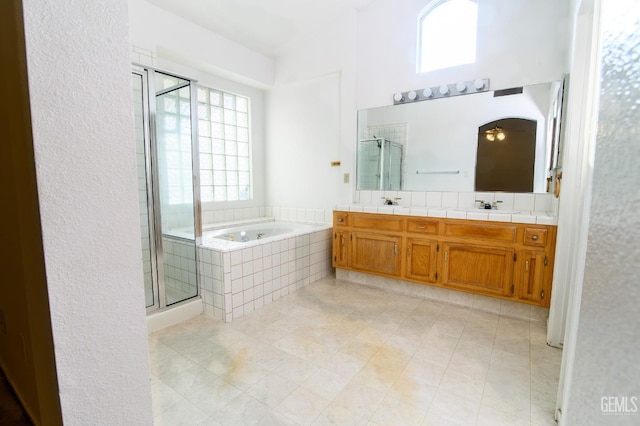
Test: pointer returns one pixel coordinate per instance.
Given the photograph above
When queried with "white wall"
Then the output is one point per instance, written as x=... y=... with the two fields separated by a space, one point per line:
x=174 y=38
x=310 y=115
x=606 y=346
x=520 y=42
x=83 y=132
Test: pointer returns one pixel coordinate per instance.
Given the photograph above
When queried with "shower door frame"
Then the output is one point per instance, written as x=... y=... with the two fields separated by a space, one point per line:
x=153 y=183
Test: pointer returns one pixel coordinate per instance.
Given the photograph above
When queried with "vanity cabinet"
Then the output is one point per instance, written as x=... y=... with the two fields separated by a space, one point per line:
x=479 y=269
x=341 y=248
x=373 y=252
x=504 y=260
x=422 y=260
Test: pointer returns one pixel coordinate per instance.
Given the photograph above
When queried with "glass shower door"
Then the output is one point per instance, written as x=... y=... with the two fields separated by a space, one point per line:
x=175 y=182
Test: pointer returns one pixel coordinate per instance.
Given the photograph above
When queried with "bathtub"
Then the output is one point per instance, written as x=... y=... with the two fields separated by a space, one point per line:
x=258 y=231
x=276 y=259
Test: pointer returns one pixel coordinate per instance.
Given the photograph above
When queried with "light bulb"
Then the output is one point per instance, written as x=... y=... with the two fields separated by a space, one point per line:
x=412 y=95
x=462 y=86
x=444 y=90
x=427 y=93
x=398 y=97
x=490 y=136
x=478 y=84
x=500 y=135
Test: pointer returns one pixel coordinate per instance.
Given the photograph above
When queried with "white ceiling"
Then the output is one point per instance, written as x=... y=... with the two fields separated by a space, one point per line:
x=261 y=25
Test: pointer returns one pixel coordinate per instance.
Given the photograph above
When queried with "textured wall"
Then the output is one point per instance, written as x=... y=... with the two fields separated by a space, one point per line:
x=607 y=350
x=81 y=101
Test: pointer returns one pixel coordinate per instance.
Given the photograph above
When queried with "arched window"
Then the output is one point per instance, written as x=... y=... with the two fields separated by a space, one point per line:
x=447 y=34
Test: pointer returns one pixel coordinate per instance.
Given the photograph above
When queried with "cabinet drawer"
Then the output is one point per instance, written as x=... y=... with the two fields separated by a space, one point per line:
x=340 y=219
x=535 y=237
x=377 y=222
x=485 y=232
x=422 y=226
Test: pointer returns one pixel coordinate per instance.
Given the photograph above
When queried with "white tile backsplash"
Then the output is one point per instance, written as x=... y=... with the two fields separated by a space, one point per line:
x=434 y=199
x=523 y=202
x=449 y=199
x=542 y=202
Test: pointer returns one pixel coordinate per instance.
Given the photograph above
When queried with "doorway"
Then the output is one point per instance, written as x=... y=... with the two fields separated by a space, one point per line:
x=506 y=155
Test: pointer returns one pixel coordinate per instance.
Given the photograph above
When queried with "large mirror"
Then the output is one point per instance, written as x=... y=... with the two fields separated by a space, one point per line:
x=433 y=145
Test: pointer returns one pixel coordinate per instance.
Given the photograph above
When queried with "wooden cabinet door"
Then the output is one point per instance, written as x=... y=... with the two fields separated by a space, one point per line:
x=376 y=253
x=531 y=276
x=421 y=259
x=482 y=269
x=341 y=248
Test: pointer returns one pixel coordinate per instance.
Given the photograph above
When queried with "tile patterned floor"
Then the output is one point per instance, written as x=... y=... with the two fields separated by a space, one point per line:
x=343 y=354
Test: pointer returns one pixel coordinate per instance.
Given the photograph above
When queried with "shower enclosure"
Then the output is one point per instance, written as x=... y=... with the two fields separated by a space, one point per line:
x=379 y=165
x=167 y=185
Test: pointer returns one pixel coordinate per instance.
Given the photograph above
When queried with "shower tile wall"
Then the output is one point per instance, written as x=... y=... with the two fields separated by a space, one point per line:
x=240 y=281
x=142 y=190
x=179 y=269
x=394 y=132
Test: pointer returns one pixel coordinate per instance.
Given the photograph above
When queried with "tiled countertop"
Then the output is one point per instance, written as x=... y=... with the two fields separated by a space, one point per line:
x=517 y=216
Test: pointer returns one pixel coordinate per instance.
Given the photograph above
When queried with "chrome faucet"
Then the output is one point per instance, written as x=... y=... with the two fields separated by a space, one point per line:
x=488 y=205
x=390 y=202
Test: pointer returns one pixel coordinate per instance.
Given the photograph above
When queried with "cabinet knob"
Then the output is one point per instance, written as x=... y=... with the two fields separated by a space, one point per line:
x=534 y=238
x=342 y=220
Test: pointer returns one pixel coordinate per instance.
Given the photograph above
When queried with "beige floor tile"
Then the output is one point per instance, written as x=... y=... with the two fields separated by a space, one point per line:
x=359 y=399
x=391 y=357
x=454 y=408
x=490 y=416
x=339 y=353
x=463 y=385
x=184 y=414
x=302 y=406
x=326 y=383
x=424 y=371
x=412 y=391
x=296 y=369
x=394 y=412
x=338 y=416
x=245 y=410
x=343 y=364
x=376 y=377
x=272 y=389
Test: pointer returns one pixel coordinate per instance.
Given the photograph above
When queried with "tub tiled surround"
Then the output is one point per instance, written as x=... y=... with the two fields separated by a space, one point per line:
x=237 y=281
x=213 y=218
x=532 y=208
x=179 y=268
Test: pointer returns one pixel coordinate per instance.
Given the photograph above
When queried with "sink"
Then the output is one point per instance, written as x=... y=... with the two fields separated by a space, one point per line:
x=490 y=211
x=503 y=211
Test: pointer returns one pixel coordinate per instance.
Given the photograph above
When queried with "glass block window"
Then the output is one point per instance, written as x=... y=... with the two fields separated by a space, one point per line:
x=223 y=131
x=447 y=32
x=174 y=139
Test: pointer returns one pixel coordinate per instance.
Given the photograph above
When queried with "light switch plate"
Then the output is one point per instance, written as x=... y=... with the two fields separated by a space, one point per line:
x=346 y=178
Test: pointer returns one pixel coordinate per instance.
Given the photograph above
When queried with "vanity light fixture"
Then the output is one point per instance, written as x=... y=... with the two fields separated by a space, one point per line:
x=495 y=133
x=442 y=91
